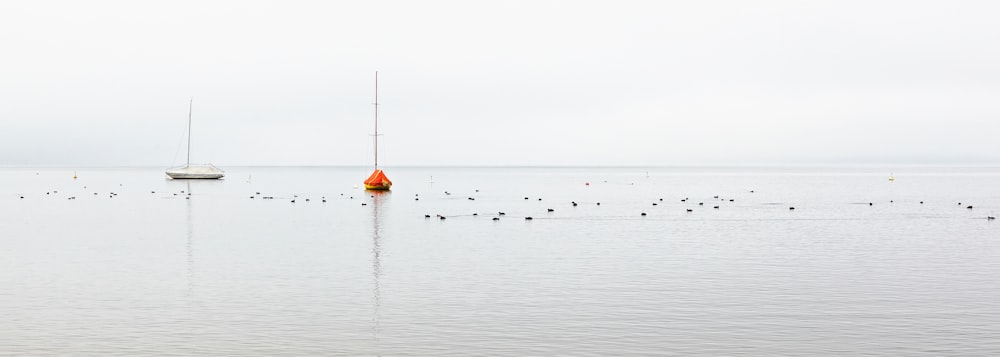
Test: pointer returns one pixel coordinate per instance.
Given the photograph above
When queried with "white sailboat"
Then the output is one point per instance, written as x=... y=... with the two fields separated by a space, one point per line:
x=189 y=171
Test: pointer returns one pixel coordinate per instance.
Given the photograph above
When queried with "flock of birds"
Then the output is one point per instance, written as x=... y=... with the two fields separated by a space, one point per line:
x=294 y=198
x=644 y=214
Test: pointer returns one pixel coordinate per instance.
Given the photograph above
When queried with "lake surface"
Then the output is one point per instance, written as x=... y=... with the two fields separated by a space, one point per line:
x=147 y=271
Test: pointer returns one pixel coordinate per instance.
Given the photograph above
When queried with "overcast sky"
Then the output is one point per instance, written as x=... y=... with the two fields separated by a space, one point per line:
x=93 y=83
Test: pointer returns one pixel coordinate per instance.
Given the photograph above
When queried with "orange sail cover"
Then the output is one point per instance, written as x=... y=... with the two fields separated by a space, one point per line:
x=378 y=181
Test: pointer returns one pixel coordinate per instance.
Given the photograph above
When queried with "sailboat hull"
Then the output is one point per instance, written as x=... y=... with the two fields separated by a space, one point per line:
x=196 y=172
x=378 y=181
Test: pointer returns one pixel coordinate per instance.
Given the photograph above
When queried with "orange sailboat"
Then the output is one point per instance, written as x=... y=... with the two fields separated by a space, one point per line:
x=377 y=180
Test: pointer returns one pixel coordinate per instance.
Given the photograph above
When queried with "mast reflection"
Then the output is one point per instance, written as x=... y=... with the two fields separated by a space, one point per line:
x=378 y=198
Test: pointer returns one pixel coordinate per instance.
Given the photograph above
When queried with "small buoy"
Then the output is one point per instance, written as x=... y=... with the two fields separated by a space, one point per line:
x=661 y=200
x=586 y=183
x=921 y=202
x=539 y=199
x=870 y=204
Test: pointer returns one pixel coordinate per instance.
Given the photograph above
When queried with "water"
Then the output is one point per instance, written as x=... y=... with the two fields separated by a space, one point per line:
x=143 y=273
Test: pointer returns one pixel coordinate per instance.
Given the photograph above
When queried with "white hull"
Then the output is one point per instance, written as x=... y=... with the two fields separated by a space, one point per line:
x=195 y=172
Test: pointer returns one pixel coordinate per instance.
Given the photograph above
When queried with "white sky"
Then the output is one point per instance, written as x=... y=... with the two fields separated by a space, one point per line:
x=90 y=83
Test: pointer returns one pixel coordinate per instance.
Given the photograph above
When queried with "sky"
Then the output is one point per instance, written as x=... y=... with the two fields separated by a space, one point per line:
x=565 y=83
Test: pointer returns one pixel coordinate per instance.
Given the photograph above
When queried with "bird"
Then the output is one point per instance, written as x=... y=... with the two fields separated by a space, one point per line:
x=643 y=214
x=791 y=208
x=528 y=218
x=427 y=216
x=970 y=207
x=574 y=203
x=654 y=203
x=716 y=207
x=551 y=210
x=690 y=210
x=501 y=213
x=990 y=217
x=441 y=217
x=496 y=218
x=701 y=203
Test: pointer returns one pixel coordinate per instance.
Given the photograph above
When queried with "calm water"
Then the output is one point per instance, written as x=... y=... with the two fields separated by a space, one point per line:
x=144 y=273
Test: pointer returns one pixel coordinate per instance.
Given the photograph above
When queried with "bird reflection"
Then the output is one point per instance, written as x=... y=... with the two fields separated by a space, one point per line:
x=377 y=199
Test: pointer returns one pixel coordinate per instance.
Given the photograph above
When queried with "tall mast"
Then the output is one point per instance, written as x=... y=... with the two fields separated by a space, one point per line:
x=376 y=120
x=190 y=104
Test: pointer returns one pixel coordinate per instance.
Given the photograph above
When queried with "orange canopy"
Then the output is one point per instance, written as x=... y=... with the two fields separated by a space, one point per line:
x=378 y=180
